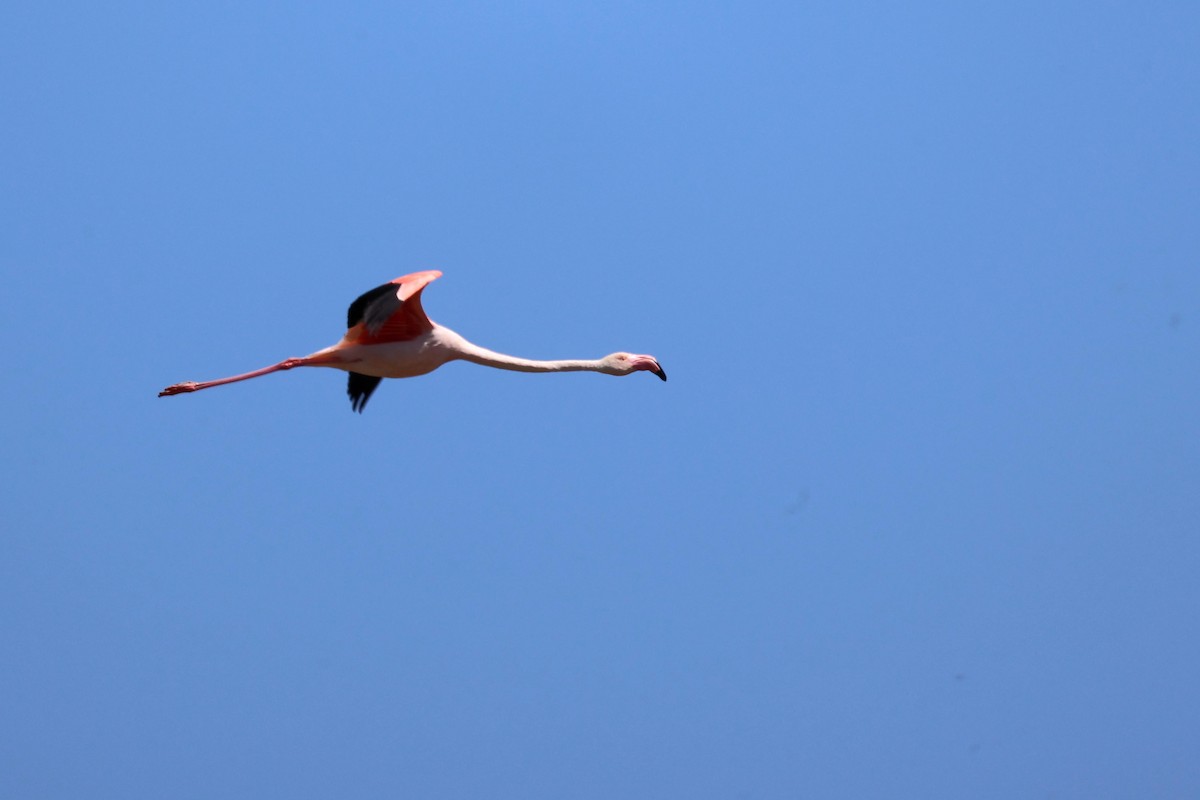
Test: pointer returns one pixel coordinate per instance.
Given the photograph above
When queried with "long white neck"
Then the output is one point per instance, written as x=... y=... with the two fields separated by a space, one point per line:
x=490 y=358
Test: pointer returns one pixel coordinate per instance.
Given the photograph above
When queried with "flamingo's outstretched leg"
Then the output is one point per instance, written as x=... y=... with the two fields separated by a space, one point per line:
x=193 y=386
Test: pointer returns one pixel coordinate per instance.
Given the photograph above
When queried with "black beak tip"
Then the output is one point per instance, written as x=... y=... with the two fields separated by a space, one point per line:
x=660 y=373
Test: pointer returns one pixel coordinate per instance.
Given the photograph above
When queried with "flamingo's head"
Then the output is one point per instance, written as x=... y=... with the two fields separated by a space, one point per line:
x=626 y=363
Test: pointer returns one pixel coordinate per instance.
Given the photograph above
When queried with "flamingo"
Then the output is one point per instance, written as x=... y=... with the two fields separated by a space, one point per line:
x=389 y=336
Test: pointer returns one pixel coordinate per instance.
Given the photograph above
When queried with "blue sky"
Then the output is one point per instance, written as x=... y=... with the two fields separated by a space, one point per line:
x=915 y=516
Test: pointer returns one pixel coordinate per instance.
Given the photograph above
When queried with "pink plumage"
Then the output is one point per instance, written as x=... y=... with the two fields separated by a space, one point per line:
x=388 y=335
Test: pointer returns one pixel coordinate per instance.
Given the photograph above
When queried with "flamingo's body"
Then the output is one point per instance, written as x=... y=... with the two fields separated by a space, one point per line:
x=389 y=336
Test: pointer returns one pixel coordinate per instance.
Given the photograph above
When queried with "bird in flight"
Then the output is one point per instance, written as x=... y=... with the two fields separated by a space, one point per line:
x=389 y=336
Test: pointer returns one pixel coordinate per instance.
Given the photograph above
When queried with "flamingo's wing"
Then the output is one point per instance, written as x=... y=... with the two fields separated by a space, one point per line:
x=360 y=389
x=390 y=313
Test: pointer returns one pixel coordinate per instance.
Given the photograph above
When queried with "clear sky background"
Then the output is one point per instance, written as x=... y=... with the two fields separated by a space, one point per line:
x=915 y=516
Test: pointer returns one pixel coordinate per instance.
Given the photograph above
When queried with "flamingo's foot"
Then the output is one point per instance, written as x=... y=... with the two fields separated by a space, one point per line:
x=179 y=388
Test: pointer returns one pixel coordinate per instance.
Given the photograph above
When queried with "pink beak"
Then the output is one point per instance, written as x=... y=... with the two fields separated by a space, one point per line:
x=650 y=365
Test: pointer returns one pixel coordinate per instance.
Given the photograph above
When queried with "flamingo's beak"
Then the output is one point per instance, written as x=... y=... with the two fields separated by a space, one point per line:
x=649 y=364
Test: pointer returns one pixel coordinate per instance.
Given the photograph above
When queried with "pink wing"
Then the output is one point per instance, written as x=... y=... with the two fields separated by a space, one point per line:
x=392 y=312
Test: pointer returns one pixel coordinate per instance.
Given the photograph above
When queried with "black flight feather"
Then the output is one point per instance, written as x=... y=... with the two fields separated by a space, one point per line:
x=358 y=308
x=360 y=389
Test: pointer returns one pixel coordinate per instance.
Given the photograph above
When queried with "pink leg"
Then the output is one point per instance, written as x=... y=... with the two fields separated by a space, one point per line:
x=286 y=364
